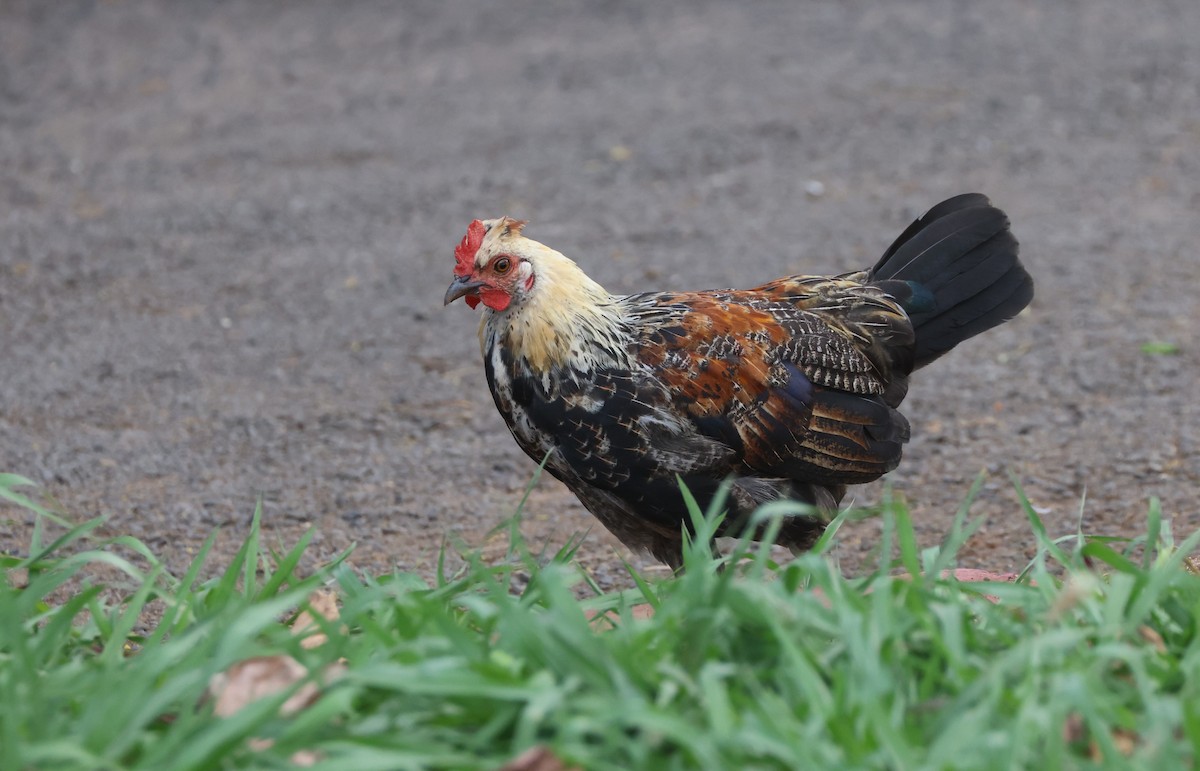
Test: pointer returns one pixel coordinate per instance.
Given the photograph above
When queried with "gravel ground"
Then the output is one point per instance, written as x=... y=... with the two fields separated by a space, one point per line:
x=226 y=230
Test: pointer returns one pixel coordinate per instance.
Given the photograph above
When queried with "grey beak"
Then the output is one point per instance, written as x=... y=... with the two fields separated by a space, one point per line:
x=460 y=286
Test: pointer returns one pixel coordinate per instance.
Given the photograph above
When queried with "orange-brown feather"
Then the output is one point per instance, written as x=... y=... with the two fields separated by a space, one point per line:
x=769 y=362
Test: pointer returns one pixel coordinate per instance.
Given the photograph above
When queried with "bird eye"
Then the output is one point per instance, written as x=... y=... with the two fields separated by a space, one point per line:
x=502 y=265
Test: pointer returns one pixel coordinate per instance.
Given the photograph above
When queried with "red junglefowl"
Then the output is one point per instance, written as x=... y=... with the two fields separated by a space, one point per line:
x=787 y=390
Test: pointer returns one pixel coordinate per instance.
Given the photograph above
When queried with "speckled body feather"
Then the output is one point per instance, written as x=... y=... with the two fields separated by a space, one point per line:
x=788 y=390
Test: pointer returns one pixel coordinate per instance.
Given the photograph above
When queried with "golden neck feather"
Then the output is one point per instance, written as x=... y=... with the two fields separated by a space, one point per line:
x=566 y=321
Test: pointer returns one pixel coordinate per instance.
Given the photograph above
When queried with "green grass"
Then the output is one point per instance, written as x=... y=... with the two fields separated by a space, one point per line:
x=1092 y=660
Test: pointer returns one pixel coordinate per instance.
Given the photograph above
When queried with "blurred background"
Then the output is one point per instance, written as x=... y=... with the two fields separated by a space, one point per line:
x=226 y=229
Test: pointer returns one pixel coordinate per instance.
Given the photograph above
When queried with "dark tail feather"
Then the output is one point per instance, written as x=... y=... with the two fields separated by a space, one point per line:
x=955 y=272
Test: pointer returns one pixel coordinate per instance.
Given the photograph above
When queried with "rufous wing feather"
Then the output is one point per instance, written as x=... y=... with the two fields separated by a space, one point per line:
x=791 y=389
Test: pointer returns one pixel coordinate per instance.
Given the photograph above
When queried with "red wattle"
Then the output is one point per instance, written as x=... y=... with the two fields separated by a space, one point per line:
x=496 y=299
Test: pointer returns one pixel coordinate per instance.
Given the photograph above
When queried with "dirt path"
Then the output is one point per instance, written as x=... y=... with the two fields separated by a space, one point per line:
x=226 y=229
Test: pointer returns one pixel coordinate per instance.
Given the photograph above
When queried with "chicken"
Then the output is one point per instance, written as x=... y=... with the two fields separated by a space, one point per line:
x=787 y=390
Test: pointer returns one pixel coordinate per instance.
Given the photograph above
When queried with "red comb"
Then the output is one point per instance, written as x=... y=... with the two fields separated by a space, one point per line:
x=464 y=253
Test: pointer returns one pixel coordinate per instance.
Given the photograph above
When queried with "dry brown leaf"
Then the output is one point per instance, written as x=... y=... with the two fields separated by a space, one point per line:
x=1125 y=741
x=1153 y=637
x=537 y=759
x=1077 y=588
x=1073 y=729
x=607 y=619
x=260 y=677
x=252 y=679
x=324 y=603
x=299 y=758
x=18 y=578
x=304 y=758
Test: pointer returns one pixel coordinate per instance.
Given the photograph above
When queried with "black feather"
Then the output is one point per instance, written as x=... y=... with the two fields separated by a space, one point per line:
x=956 y=273
x=950 y=205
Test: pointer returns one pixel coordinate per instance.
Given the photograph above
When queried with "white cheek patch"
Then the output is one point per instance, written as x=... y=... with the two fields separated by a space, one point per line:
x=525 y=275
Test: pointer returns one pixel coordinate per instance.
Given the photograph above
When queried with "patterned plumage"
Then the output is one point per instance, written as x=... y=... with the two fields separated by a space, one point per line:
x=789 y=389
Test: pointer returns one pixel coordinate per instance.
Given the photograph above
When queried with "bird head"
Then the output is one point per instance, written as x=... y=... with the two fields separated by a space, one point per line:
x=544 y=307
x=494 y=265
